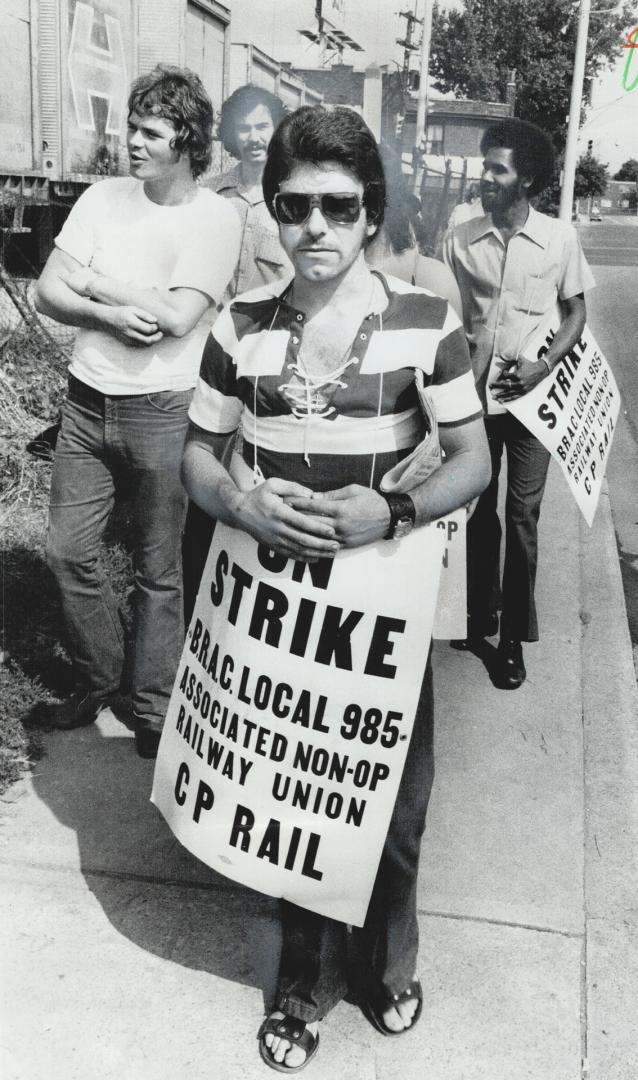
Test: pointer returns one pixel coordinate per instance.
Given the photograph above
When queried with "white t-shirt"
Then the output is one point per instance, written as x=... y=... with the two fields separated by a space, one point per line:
x=116 y=230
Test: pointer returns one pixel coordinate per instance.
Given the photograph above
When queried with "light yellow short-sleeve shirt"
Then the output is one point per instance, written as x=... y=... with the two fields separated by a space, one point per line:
x=508 y=290
x=261 y=257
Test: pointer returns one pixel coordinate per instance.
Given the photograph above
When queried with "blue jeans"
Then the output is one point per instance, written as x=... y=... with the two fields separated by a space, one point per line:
x=527 y=464
x=313 y=969
x=131 y=447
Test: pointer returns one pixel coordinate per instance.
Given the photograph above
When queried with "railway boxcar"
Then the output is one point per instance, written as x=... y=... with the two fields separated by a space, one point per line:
x=64 y=82
x=248 y=64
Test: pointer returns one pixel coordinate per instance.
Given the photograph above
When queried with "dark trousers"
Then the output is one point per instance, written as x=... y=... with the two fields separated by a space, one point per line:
x=198 y=533
x=527 y=464
x=129 y=446
x=313 y=971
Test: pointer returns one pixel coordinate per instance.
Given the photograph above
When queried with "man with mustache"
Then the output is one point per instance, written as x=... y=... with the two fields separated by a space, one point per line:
x=512 y=265
x=317 y=376
x=248 y=119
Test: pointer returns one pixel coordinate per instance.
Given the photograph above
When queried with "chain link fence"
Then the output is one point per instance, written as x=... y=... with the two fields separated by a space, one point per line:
x=34 y=353
x=441 y=191
x=18 y=314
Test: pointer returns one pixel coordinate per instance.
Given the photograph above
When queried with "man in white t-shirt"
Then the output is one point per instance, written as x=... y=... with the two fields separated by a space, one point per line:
x=136 y=267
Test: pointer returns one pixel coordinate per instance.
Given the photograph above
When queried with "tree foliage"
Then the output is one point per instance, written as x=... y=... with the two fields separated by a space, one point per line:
x=475 y=48
x=628 y=170
x=591 y=176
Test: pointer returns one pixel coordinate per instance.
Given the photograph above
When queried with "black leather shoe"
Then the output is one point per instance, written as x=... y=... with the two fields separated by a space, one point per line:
x=147 y=741
x=510 y=669
x=77 y=712
x=475 y=633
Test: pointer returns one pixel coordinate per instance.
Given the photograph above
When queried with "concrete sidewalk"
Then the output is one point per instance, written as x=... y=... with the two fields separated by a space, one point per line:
x=127 y=960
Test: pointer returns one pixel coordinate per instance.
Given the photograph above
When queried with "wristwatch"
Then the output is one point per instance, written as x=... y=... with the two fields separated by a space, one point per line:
x=402 y=515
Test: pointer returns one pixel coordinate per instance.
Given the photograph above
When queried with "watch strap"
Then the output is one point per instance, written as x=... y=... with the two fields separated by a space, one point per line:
x=401 y=509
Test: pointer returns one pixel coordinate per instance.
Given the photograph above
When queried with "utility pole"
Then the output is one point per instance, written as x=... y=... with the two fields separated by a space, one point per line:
x=328 y=35
x=408 y=45
x=569 y=167
x=422 y=104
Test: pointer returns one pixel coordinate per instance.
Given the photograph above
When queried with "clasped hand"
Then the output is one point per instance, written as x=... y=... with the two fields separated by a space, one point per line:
x=133 y=325
x=129 y=323
x=307 y=525
x=517 y=378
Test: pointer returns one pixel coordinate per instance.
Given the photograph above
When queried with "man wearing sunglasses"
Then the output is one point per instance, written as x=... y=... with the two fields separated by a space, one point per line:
x=317 y=375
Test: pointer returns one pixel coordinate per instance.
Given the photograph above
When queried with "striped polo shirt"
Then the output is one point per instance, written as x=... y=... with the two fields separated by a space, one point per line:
x=348 y=428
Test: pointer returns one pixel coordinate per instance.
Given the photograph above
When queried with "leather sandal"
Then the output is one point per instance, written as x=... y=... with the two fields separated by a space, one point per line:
x=379 y=1003
x=296 y=1033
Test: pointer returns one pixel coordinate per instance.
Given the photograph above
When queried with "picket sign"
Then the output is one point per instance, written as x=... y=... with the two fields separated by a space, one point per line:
x=573 y=412
x=450 y=620
x=289 y=722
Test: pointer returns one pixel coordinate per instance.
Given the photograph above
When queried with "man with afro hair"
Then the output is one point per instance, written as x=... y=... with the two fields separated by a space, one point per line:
x=512 y=265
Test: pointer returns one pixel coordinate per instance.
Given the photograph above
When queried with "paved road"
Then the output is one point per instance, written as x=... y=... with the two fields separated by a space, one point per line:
x=613 y=242
x=613 y=317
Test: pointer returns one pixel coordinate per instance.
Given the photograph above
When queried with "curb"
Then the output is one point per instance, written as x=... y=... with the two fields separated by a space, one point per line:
x=610 y=732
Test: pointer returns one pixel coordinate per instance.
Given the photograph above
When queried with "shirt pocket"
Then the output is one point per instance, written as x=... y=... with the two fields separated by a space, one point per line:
x=539 y=290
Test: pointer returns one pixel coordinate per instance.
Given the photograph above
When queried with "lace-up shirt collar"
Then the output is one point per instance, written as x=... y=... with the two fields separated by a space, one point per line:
x=379 y=300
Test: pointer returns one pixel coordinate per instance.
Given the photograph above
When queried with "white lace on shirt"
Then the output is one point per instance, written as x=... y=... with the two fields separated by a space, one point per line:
x=310 y=395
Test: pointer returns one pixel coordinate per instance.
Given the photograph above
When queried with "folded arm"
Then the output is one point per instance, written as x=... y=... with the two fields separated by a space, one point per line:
x=131 y=323
x=176 y=311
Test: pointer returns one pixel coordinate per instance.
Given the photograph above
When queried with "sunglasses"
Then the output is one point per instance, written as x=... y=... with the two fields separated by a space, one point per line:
x=295 y=207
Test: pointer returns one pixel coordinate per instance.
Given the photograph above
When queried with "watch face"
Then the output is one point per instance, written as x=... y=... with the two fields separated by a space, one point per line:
x=403 y=527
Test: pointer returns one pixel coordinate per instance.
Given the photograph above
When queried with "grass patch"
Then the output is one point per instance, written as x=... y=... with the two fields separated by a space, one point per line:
x=19 y=745
x=35 y=666
x=27 y=404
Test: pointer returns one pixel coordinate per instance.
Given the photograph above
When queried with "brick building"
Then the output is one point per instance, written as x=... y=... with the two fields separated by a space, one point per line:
x=339 y=84
x=452 y=157
x=620 y=197
x=454 y=127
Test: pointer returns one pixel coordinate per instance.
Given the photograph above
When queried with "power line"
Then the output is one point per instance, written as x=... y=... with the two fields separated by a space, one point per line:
x=601 y=108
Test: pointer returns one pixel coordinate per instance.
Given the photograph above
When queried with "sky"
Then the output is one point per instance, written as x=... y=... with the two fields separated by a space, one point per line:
x=612 y=121
x=273 y=26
